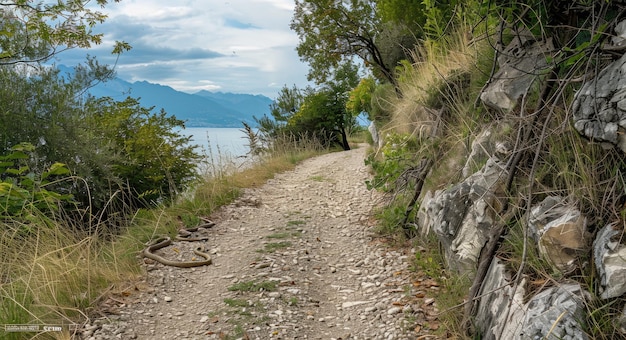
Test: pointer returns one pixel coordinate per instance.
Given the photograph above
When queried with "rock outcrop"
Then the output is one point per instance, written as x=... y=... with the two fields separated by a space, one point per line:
x=599 y=107
x=610 y=260
x=463 y=215
x=520 y=64
x=560 y=231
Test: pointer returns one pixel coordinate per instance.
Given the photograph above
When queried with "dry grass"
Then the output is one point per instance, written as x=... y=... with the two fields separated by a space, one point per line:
x=433 y=65
x=52 y=274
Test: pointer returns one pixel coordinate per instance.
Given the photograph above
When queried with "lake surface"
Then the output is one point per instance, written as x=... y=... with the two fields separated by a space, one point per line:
x=216 y=141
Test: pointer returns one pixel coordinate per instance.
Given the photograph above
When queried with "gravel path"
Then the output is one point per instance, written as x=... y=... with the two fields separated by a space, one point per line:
x=294 y=259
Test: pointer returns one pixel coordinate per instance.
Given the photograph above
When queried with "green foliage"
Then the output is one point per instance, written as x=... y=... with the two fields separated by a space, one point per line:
x=438 y=14
x=155 y=161
x=110 y=147
x=390 y=216
x=360 y=98
x=397 y=154
x=34 y=31
x=380 y=108
x=407 y=13
x=333 y=32
x=321 y=113
x=22 y=189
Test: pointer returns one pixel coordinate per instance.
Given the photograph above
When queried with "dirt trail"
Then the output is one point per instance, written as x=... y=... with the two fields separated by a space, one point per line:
x=294 y=259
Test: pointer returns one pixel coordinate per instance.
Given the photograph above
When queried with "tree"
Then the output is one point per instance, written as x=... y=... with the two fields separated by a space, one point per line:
x=154 y=161
x=320 y=113
x=406 y=13
x=33 y=32
x=360 y=98
x=332 y=32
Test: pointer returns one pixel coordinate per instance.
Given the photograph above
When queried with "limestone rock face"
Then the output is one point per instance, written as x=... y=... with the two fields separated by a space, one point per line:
x=521 y=63
x=610 y=260
x=555 y=313
x=463 y=215
x=599 y=107
x=560 y=231
x=489 y=142
x=495 y=308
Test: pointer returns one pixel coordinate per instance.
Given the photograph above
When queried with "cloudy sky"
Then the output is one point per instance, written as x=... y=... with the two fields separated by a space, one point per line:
x=241 y=46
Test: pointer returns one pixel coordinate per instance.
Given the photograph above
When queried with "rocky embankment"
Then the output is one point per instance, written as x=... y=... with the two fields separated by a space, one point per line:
x=296 y=258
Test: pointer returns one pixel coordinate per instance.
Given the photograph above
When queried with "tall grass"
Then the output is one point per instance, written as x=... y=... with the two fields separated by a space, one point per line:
x=53 y=274
x=431 y=76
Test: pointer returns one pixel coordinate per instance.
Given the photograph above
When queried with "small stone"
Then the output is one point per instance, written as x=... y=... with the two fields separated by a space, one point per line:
x=274 y=294
x=394 y=310
x=367 y=284
x=167 y=299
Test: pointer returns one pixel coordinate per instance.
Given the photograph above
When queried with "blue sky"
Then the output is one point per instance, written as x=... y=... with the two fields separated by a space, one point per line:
x=241 y=46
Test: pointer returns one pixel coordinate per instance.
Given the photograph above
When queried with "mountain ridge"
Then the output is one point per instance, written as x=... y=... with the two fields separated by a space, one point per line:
x=200 y=109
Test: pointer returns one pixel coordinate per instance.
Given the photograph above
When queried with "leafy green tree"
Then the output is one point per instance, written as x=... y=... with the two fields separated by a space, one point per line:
x=333 y=32
x=406 y=13
x=360 y=98
x=108 y=146
x=321 y=113
x=34 y=31
x=153 y=160
x=287 y=103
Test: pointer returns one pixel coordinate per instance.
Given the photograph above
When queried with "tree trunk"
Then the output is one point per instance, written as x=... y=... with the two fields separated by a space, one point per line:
x=344 y=140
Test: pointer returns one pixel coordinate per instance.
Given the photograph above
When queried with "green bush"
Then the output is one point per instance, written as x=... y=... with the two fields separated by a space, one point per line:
x=21 y=188
x=397 y=155
x=153 y=160
x=118 y=154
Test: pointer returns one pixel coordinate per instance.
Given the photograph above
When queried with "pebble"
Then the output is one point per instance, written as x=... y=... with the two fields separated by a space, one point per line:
x=332 y=281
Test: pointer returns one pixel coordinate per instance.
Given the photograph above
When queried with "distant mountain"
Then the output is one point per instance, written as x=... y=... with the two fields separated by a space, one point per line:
x=202 y=109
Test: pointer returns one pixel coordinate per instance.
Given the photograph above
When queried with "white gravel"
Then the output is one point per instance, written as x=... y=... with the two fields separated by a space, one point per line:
x=334 y=279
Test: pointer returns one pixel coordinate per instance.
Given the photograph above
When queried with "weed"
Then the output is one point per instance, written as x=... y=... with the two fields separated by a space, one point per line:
x=295 y=223
x=236 y=302
x=274 y=246
x=284 y=235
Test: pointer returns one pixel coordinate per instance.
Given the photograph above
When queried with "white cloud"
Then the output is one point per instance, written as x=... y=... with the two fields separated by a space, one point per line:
x=230 y=45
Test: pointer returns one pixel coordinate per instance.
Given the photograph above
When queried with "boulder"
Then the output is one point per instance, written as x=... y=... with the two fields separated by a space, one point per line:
x=599 y=107
x=463 y=215
x=610 y=260
x=560 y=231
x=423 y=220
x=378 y=142
x=555 y=313
x=498 y=303
x=521 y=63
x=492 y=141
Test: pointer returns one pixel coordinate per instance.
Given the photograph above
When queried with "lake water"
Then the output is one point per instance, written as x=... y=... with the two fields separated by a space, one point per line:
x=219 y=145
